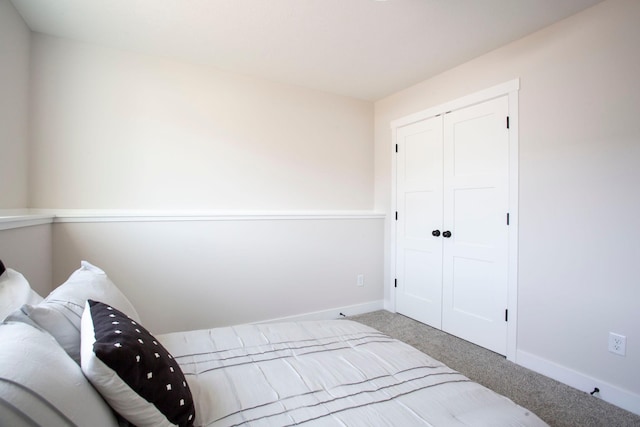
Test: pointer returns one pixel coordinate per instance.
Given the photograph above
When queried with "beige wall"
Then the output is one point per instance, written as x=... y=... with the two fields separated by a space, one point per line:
x=28 y=250
x=579 y=154
x=112 y=129
x=118 y=130
x=14 y=94
x=201 y=274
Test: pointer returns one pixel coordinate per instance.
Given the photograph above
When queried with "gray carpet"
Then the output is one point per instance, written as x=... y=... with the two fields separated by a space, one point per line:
x=557 y=404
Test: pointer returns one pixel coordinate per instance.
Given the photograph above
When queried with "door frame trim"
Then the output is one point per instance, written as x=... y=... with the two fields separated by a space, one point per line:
x=510 y=89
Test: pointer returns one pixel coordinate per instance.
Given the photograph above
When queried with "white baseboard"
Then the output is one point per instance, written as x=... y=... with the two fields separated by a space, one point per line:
x=608 y=392
x=333 y=313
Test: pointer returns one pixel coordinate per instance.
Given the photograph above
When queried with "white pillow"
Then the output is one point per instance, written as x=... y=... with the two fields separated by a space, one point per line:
x=61 y=311
x=132 y=370
x=14 y=292
x=41 y=385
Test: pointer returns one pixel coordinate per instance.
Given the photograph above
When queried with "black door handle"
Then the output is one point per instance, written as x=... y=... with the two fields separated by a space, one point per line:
x=435 y=233
x=446 y=234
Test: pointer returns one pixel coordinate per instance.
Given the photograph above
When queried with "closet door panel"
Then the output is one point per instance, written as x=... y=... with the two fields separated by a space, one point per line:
x=419 y=203
x=475 y=205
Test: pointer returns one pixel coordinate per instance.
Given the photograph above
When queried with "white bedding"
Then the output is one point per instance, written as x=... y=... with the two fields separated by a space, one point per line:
x=330 y=373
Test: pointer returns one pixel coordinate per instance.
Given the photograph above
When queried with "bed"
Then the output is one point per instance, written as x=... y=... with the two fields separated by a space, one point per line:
x=82 y=357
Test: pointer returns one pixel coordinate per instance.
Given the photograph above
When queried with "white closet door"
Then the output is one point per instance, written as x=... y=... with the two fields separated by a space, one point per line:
x=419 y=203
x=476 y=200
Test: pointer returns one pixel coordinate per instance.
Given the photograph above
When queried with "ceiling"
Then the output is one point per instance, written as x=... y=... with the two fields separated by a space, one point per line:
x=365 y=49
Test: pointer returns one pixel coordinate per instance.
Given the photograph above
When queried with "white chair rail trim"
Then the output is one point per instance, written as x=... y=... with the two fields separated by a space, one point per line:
x=44 y=216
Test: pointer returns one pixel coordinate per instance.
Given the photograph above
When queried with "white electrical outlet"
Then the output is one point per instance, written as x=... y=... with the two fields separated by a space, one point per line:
x=617 y=344
x=360 y=281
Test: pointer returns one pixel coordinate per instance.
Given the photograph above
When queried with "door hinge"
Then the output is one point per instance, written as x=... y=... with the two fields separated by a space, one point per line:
x=396 y=215
x=507 y=218
x=396 y=148
x=506 y=315
x=507 y=122
x=395 y=283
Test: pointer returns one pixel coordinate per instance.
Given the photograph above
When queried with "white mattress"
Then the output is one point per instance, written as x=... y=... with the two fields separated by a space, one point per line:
x=329 y=373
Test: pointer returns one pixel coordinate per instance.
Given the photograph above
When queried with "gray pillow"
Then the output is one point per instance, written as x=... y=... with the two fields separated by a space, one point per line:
x=47 y=387
x=14 y=292
x=61 y=311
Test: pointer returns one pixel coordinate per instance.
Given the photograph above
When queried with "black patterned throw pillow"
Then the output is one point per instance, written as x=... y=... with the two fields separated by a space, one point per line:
x=134 y=373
